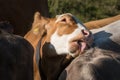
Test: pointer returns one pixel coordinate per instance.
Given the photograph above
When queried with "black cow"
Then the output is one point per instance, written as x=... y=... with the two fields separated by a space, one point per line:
x=101 y=61
x=16 y=56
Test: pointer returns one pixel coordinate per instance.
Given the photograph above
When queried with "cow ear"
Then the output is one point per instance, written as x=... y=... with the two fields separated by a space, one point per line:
x=39 y=22
x=37 y=17
x=57 y=16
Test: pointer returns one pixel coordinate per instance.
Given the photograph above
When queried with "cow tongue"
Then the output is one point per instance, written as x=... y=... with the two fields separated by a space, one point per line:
x=82 y=46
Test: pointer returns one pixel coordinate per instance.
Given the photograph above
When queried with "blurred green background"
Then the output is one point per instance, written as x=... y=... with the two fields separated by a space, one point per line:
x=85 y=10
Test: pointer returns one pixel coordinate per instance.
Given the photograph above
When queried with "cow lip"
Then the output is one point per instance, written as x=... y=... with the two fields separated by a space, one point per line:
x=79 y=46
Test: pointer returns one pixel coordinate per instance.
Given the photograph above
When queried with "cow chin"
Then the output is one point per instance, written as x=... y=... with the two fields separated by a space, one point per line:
x=76 y=48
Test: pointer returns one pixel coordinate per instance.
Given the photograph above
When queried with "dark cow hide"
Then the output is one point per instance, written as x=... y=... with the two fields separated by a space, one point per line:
x=101 y=61
x=6 y=26
x=16 y=57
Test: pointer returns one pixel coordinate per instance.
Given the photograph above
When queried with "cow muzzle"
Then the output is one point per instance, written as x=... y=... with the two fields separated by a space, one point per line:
x=79 y=43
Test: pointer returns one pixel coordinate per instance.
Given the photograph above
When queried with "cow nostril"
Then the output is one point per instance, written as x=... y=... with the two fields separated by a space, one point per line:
x=85 y=32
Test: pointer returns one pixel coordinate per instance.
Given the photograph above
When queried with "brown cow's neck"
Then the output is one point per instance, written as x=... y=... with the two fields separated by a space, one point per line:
x=32 y=38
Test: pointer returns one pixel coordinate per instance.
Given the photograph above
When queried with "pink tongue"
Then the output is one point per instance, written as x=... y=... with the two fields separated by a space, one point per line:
x=83 y=46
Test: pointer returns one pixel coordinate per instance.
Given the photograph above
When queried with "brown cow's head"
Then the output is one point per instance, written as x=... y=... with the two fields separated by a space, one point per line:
x=65 y=33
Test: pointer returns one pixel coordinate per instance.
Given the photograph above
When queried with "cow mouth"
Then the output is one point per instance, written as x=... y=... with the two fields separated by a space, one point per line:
x=77 y=46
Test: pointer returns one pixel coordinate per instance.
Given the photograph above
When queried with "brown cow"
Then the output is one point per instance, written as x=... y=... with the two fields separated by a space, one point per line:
x=16 y=56
x=60 y=39
x=20 y=13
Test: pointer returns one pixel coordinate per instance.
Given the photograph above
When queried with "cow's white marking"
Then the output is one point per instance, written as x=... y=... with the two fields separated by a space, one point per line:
x=60 y=43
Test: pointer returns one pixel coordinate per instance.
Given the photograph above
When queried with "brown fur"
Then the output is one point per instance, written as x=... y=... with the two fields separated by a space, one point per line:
x=101 y=22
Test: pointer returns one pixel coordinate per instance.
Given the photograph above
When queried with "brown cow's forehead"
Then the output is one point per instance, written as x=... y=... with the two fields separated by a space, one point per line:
x=69 y=18
x=64 y=24
x=65 y=29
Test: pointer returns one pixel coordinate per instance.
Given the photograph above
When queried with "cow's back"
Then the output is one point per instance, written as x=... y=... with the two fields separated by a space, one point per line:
x=95 y=64
x=16 y=57
x=108 y=37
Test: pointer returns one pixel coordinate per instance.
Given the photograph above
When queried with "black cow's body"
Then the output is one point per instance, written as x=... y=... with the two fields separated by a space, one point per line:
x=16 y=57
x=101 y=61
